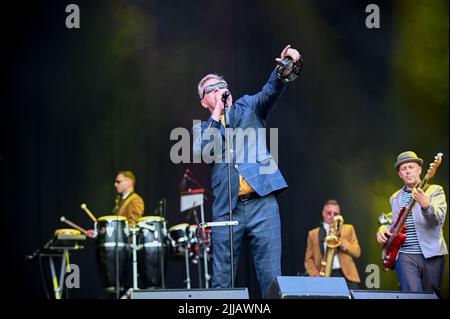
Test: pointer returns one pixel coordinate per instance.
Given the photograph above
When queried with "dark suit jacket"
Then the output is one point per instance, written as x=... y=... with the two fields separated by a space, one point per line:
x=253 y=162
x=315 y=252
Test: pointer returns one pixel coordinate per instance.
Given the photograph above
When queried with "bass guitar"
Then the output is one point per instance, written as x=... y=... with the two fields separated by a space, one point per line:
x=391 y=248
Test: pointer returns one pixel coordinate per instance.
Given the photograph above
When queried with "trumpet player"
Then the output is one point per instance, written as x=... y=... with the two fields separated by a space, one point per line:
x=341 y=243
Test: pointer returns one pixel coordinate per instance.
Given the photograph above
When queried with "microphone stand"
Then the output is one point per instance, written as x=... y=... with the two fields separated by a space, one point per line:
x=201 y=247
x=228 y=159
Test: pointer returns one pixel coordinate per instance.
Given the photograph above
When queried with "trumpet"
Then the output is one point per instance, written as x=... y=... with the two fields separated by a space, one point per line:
x=332 y=242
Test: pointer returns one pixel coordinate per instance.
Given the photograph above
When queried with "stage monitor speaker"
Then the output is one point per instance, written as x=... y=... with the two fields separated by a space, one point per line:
x=234 y=293
x=380 y=294
x=290 y=287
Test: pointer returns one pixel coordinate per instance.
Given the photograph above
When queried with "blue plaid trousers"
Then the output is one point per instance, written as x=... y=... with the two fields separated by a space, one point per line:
x=259 y=220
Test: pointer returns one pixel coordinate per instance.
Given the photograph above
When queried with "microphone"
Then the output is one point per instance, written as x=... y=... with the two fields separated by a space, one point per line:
x=225 y=95
x=159 y=210
x=162 y=207
x=185 y=179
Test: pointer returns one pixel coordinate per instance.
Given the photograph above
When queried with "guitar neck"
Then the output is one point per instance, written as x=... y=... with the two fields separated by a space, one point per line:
x=410 y=206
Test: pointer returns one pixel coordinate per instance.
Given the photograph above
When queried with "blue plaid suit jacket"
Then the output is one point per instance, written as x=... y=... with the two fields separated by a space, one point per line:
x=252 y=160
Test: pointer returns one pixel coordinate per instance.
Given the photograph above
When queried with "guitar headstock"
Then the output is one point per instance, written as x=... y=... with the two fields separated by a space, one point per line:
x=434 y=166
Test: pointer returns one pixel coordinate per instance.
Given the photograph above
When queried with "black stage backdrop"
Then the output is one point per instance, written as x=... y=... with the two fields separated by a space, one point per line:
x=80 y=104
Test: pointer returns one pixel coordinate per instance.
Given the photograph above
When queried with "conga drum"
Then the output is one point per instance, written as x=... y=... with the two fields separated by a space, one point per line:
x=112 y=237
x=151 y=254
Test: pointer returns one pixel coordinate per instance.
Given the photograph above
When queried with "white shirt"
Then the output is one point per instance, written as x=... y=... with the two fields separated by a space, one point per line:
x=336 y=264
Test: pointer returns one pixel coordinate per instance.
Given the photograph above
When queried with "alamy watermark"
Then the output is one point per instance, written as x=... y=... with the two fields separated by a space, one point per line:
x=73 y=276
x=73 y=19
x=246 y=146
x=373 y=19
x=373 y=278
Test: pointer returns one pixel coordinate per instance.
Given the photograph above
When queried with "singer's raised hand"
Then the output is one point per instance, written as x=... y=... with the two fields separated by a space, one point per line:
x=218 y=105
x=221 y=94
x=290 y=52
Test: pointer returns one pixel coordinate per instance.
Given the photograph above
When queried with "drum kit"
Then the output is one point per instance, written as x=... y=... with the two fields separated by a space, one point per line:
x=148 y=247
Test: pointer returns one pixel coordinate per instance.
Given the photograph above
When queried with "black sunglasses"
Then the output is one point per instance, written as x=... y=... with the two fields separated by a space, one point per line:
x=210 y=88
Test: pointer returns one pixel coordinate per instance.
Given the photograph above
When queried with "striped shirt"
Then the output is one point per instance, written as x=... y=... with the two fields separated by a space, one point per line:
x=411 y=245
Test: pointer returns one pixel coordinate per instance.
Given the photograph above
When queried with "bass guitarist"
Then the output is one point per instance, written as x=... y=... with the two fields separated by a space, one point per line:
x=420 y=262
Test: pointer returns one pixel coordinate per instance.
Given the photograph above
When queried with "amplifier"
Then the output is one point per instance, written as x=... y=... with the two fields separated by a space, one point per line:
x=291 y=287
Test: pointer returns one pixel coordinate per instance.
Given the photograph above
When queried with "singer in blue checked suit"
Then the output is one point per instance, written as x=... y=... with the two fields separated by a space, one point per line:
x=255 y=177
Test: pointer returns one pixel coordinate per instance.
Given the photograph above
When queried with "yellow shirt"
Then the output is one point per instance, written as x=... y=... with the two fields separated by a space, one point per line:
x=244 y=186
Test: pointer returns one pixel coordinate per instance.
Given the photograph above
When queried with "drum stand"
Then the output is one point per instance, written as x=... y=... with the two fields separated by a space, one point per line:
x=133 y=247
x=203 y=248
x=199 y=271
x=190 y=200
x=116 y=251
x=199 y=267
x=162 y=235
x=186 y=259
x=58 y=287
x=58 y=247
